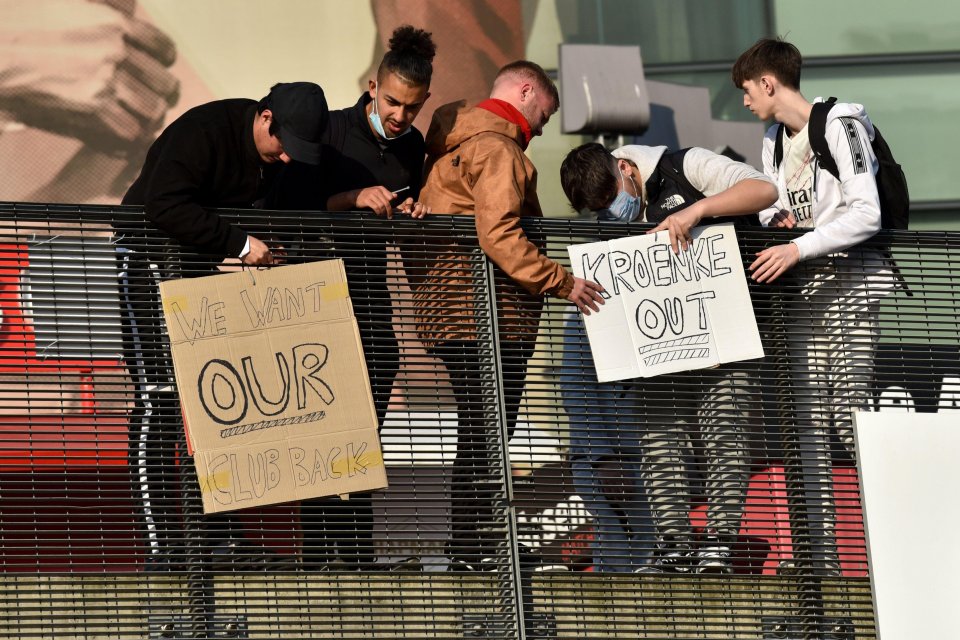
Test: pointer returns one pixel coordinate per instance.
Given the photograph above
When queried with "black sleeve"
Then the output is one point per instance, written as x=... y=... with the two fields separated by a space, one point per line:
x=298 y=187
x=419 y=156
x=186 y=162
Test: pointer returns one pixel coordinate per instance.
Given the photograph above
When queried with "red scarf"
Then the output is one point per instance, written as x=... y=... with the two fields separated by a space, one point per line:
x=509 y=113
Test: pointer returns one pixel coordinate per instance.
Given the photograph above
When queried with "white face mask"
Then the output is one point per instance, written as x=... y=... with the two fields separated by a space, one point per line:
x=377 y=124
x=625 y=207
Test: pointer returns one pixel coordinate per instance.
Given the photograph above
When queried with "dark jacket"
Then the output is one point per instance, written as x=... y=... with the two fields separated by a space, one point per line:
x=204 y=158
x=352 y=158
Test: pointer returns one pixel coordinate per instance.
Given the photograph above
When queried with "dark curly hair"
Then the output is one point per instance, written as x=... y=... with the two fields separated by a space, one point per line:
x=410 y=56
x=587 y=177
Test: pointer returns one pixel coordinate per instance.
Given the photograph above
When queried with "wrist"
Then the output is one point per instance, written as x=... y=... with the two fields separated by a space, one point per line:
x=795 y=249
x=246 y=249
x=697 y=210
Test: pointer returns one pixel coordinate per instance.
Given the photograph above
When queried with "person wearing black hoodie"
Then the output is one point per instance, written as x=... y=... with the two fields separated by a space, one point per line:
x=221 y=154
x=372 y=161
x=226 y=154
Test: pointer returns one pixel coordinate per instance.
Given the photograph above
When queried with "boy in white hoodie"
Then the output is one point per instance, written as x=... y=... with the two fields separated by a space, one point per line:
x=833 y=318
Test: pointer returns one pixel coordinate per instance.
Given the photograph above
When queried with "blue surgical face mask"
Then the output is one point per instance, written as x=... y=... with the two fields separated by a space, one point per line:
x=377 y=124
x=625 y=207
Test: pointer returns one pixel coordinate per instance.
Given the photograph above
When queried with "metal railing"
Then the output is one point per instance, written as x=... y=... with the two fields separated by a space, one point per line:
x=524 y=500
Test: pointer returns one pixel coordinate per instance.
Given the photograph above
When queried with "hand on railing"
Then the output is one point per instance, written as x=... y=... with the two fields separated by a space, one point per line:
x=416 y=210
x=773 y=262
x=783 y=219
x=586 y=295
x=261 y=254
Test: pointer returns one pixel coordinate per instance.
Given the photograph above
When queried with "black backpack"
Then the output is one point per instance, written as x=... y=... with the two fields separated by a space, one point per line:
x=891 y=182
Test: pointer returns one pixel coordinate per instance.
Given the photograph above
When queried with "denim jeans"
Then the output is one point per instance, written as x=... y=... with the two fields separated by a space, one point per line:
x=605 y=456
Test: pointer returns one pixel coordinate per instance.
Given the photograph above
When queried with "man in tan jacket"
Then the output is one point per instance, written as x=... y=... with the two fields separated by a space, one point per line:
x=476 y=166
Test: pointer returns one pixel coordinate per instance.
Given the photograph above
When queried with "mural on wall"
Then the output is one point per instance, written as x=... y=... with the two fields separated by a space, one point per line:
x=84 y=89
x=86 y=85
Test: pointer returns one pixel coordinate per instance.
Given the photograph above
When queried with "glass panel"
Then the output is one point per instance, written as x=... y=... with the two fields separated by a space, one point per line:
x=921 y=132
x=829 y=28
x=666 y=30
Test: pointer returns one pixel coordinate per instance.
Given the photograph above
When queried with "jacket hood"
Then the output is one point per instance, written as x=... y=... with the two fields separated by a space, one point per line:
x=455 y=123
x=646 y=159
x=850 y=110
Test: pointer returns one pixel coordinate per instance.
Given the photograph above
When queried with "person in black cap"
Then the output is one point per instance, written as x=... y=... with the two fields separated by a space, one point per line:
x=224 y=154
x=217 y=155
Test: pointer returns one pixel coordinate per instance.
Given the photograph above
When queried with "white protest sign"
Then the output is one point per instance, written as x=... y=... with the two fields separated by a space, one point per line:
x=909 y=479
x=668 y=312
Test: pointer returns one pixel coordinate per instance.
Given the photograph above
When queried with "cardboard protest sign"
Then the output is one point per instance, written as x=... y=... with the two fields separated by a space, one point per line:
x=273 y=385
x=668 y=312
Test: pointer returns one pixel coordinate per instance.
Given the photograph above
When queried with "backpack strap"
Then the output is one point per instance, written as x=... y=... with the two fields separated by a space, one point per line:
x=817 y=133
x=671 y=166
x=778 y=147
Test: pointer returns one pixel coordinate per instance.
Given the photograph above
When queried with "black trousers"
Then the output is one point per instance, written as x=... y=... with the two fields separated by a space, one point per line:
x=162 y=475
x=335 y=528
x=477 y=494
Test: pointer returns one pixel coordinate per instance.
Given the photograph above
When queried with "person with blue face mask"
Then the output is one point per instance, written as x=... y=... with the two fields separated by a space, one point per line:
x=372 y=161
x=676 y=190
x=374 y=154
x=627 y=206
x=628 y=445
x=387 y=136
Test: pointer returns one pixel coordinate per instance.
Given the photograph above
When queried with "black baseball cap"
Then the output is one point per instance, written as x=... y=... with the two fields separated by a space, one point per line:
x=300 y=110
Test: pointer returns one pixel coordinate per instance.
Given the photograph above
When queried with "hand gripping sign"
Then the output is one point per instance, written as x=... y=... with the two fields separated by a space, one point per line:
x=273 y=385
x=675 y=312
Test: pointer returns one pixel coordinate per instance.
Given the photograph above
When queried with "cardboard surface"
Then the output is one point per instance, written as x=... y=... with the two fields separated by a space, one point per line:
x=668 y=312
x=273 y=385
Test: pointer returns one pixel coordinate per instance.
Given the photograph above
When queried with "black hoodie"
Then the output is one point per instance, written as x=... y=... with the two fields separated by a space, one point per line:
x=204 y=158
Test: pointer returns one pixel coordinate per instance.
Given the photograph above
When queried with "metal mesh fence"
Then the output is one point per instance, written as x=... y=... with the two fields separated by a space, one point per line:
x=525 y=499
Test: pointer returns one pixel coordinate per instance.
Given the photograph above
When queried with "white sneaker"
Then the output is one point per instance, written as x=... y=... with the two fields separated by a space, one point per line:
x=713 y=557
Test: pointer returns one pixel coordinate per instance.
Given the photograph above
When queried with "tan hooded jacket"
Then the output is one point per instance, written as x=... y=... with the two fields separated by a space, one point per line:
x=476 y=166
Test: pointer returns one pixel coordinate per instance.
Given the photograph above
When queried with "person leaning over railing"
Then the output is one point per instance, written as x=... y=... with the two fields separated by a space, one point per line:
x=372 y=161
x=834 y=317
x=476 y=166
x=652 y=459
x=220 y=154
